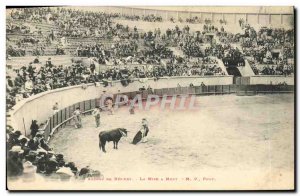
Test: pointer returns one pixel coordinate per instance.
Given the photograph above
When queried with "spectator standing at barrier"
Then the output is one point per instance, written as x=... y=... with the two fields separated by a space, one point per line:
x=34 y=128
x=96 y=114
x=77 y=118
x=55 y=108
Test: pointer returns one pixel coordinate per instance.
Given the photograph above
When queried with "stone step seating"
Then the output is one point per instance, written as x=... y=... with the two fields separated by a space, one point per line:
x=47 y=52
x=17 y=36
x=73 y=43
x=17 y=62
x=43 y=26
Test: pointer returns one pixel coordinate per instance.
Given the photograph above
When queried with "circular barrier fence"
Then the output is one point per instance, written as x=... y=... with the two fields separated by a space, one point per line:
x=64 y=116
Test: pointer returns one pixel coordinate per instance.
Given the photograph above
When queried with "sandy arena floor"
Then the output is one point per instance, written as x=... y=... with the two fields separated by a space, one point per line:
x=234 y=140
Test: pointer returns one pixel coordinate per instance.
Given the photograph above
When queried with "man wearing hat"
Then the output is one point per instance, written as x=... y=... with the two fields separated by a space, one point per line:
x=17 y=149
x=41 y=163
x=51 y=165
x=33 y=144
x=13 y=139
x=96 y=114
x=34 y=127
x=41 y=141
x=60 y=160
x=72 y=166
x=14 y=163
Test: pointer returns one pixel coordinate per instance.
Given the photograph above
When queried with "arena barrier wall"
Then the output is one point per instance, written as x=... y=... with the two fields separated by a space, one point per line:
x=39 y=107
x=64 y=117
x=260 y=79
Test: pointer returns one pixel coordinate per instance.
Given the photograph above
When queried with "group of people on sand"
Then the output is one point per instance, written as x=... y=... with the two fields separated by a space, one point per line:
x=95 y=113
x=141 y=135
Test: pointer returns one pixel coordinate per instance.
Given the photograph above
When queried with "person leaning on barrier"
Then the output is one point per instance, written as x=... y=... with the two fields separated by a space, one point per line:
x=38 y=142
x=96 y=114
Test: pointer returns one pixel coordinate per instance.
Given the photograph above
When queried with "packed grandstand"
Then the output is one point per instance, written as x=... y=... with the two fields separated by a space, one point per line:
x=119 y=52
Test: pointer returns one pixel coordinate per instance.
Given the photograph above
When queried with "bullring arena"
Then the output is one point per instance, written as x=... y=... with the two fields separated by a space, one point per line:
x=240 y=136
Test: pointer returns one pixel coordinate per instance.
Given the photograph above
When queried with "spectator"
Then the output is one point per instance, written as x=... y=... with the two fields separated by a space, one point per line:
x=55 y=108
x=34 y=128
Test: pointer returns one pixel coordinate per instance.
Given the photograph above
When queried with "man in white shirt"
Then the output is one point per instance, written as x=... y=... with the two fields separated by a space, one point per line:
x=55 y=108
x=28 y=85
x=96 y=114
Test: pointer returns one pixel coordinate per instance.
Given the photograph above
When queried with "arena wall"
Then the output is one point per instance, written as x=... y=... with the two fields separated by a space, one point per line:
x=39 y=107
x=271 y=80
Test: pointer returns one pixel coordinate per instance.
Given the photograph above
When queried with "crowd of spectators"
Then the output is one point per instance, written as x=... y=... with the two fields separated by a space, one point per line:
x=14 y=51
x=31 y=80
x=17 y=28
x=148 y=18
x=125 y=49
x=277 y=70
x=28 y=156
x=272 y=69
x=268 y=49
x=88 y=24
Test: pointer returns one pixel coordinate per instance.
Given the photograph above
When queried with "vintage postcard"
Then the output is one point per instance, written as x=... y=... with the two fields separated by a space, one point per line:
x=150 y=98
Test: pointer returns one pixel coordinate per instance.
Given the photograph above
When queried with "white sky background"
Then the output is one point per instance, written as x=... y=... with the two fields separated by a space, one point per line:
x=140 y=3
x=215 y=9
x=228 y=9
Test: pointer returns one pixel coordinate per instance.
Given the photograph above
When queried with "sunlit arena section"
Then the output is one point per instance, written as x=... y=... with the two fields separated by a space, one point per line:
x=202 y=143
x=150 y=98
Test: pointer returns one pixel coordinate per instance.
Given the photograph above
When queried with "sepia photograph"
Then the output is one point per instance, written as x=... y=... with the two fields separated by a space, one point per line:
x=150 y=98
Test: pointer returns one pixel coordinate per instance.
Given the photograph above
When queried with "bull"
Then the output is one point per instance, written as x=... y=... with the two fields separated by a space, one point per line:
x=112 y=135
